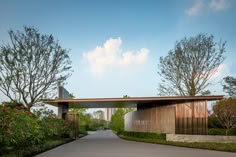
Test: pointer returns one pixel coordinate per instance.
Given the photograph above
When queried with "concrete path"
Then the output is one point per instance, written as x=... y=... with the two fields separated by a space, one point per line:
x=106 y=144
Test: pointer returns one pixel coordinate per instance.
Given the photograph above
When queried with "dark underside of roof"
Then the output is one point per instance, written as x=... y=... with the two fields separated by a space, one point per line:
x=129 y=102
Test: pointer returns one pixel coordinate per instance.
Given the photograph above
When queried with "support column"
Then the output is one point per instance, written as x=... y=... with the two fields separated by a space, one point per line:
x=63 y=109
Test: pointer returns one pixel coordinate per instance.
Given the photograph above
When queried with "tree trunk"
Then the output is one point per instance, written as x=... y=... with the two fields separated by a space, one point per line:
x=28 y=106
x=227 y=131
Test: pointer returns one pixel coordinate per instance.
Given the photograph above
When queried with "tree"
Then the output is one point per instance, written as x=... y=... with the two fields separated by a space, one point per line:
x=117 y=120
x=98 y=115
x=225 y=112
x=31 y=66
x=186 y=70
x=229 y=86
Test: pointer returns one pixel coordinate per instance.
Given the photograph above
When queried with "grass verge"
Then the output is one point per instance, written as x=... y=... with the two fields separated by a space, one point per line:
x=228 y=147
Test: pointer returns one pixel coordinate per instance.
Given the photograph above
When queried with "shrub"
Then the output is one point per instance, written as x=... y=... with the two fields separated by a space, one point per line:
x=146 y=135
x=82 y=130
x=215 y=131
x=19 y=128
x=54 y=127
x=219 y=131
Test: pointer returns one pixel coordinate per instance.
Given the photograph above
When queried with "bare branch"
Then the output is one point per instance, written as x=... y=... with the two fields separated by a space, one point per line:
x=31 y=65
x=186 y=70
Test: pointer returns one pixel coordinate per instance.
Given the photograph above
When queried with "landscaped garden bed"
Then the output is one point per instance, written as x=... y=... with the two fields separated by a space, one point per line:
x=160 y=139
x=23 y=133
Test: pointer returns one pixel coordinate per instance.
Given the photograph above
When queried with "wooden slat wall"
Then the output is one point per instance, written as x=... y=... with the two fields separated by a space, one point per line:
x=185 y=118
x=191 y=118
x=157 y=119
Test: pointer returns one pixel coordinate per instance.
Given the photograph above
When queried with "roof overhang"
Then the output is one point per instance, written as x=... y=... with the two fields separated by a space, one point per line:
x=129 y=102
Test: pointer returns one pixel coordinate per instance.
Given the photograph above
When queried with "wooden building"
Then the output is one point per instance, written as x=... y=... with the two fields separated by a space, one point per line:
x=175 y=118
x=179 y=115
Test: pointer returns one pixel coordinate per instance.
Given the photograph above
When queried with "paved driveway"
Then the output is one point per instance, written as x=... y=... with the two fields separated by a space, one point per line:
x=106 y=144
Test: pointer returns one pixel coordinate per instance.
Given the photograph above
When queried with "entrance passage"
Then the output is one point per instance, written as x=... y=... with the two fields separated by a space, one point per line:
x=107 y=144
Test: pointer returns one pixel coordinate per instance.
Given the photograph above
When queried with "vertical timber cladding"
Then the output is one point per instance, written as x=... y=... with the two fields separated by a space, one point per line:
x=159 y=119
x=63 y=108
x=191 y=118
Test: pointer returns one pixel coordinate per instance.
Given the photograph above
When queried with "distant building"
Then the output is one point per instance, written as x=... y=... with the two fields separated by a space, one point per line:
x=108 y=113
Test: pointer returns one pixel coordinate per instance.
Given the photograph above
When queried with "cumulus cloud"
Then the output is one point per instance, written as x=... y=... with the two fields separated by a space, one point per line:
x=219 y=4
x=194 y=10
x=111 y=54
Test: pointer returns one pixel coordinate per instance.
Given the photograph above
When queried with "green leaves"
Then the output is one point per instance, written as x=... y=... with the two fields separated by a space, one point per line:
x=187 y=68
x=229 y=86
x=117 y=120
x=19 y=127
x=225 y=112
x=31 y=66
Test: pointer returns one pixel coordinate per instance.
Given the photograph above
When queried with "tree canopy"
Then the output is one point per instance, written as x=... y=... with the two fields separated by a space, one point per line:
x=31 y=66
x=187 y=68
x=117 y=119
x=229 y=86
x=225 y=112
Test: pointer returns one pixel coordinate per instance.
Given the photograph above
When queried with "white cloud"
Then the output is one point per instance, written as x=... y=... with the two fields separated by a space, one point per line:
x=194 y=10
x=219 y=4
x=218 y=71
x=111 y=54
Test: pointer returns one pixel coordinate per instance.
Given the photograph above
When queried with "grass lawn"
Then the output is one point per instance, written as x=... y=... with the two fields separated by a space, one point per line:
x=229 y=147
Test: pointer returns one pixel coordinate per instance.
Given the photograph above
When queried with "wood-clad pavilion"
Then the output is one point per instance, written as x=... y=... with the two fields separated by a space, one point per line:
x=175 y=114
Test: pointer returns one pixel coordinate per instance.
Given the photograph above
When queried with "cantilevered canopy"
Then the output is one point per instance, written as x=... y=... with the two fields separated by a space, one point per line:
x=129 y=102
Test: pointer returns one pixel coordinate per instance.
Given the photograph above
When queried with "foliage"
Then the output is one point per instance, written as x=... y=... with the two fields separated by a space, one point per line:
x=20 y=128
x=229 y=86
x=31 y=66
x=146 y=135
x=213 y=122
x=225 y=112
x=14 y=104
x=86 y=121
x=230 y=147
x=216 y=131
x=117 y=120
x=98 y=114
x=43 y=111
x=54 y=127
x=187 y=69
x=33 y=150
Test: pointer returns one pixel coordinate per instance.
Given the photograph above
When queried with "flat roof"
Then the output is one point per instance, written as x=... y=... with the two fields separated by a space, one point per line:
x=129 y=102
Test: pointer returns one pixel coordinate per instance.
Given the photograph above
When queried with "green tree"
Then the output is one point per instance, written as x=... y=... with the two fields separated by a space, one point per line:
x=31 y=65
x=117 y=120
x=187 y=68
x=229 y=86
x=225 y=112
x=98 y=115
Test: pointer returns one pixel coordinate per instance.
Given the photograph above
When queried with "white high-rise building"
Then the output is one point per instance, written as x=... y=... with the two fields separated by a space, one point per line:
x=108 y=113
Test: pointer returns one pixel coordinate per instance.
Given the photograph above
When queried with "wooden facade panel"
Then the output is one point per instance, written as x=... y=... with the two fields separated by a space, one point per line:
x=191 y=118
x=184 y=118
x=156 y=119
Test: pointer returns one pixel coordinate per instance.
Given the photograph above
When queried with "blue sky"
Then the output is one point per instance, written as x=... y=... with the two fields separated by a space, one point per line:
x=115 y=45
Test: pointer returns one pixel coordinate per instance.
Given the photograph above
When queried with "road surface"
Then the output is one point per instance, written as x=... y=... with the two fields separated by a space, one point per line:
x=107 y=144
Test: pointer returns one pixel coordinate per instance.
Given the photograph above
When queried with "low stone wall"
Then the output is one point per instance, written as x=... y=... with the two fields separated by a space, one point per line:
x=200 y=138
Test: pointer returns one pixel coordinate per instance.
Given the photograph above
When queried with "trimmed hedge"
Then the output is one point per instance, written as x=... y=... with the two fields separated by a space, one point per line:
x=217 y=131
x=146 y=135
x=35 y=149
x=159 y=139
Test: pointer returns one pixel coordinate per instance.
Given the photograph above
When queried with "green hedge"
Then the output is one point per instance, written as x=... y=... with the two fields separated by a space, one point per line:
x=34 y=149
x=82 y=130
x=146 y=135
x=218 y=131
